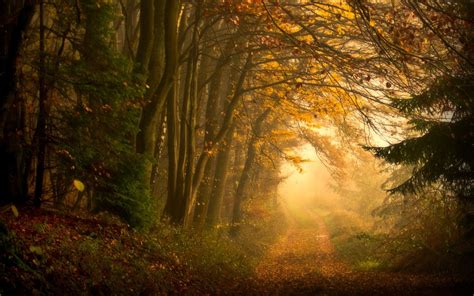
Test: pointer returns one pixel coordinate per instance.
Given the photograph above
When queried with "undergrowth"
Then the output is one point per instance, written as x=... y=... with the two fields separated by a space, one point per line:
x=366 y=245
x=354 y=240
x=101 y=256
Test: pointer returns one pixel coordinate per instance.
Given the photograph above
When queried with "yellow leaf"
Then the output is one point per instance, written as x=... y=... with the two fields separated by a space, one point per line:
x=36 y=250
x=79 y=185
x=15 y=211
x=372 y=23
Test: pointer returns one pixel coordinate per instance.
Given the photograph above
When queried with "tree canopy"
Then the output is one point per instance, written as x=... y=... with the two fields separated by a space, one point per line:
x=180 y=114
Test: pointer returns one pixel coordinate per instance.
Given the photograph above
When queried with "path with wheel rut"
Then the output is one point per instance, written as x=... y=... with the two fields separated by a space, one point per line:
x=303 y=262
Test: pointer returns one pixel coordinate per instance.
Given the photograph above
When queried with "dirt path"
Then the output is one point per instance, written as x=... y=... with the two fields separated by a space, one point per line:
x=303 y=262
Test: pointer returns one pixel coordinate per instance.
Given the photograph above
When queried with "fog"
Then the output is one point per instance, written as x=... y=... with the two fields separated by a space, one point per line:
x=304 y=185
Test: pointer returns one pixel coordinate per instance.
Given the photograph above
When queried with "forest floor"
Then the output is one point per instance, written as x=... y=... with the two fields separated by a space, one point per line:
x=304 y=262
x=66 y=254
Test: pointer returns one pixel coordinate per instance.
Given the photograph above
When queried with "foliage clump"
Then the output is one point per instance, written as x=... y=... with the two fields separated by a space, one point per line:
x=100 y=122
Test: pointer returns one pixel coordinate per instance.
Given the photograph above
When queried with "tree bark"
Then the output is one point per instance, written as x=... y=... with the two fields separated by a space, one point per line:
x=173 y=146
x=185 y=160
x=146 y=136
x=216 y=94
x=191 y=127
x=130 y=25
x=155 y=68
x=15 y=17
x=227 y=123
x=220 y=181
x=245 y=176
x=42 y=114
x=145 y=43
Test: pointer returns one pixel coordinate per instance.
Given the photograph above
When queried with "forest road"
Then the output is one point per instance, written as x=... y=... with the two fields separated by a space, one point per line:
x=303 y=262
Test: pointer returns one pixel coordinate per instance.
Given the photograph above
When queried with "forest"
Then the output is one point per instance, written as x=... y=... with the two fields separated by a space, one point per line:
x=236 y=147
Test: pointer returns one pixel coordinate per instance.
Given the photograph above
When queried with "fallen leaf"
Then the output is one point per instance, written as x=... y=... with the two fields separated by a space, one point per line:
x=15 y=211
x=79 y=185
x=36 y=250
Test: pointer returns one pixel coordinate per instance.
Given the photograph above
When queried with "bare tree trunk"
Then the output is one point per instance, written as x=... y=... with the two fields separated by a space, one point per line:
x=15 y=17
x=146 y=136
x=42 y=114
x=173 y=146
x=130 y=25
x=185 y=160
x=160 y=140
x=215 y=95
x=188 y=190
x=227 y=123
x=220 y=181
x=245 y=176
x=184 y=135
x=145 y=43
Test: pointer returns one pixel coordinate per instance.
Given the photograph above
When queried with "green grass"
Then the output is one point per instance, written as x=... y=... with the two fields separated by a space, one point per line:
x=353 y=240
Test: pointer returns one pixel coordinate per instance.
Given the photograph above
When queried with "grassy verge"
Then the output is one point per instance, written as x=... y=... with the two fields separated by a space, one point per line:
x=354 y=240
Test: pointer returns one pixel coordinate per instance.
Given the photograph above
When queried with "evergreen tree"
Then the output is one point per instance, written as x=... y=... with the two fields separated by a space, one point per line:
x=443 y=152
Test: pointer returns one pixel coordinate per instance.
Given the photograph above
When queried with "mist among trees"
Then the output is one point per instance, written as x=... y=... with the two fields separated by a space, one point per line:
x=208 y=147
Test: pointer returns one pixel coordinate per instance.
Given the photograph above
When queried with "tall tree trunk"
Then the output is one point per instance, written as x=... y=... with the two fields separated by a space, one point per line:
x=204 y=194
x=147 y=128
x=15 y=17
x=220 y=180
x=219 y=90
x=245 y=176
x=173 y=146
x=215 y=95
x=185 y=163
x=155 y=71
x=160 y=140
x=42 y=113
x=130 y=25
x=145 y=43
x=188 y=190
x=226 y=124
x=179 y=195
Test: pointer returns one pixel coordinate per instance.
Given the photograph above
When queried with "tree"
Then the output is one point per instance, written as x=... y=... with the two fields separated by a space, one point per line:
x=15 y=18
x=442 y=151
x=245 y=176
x=441 y=115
